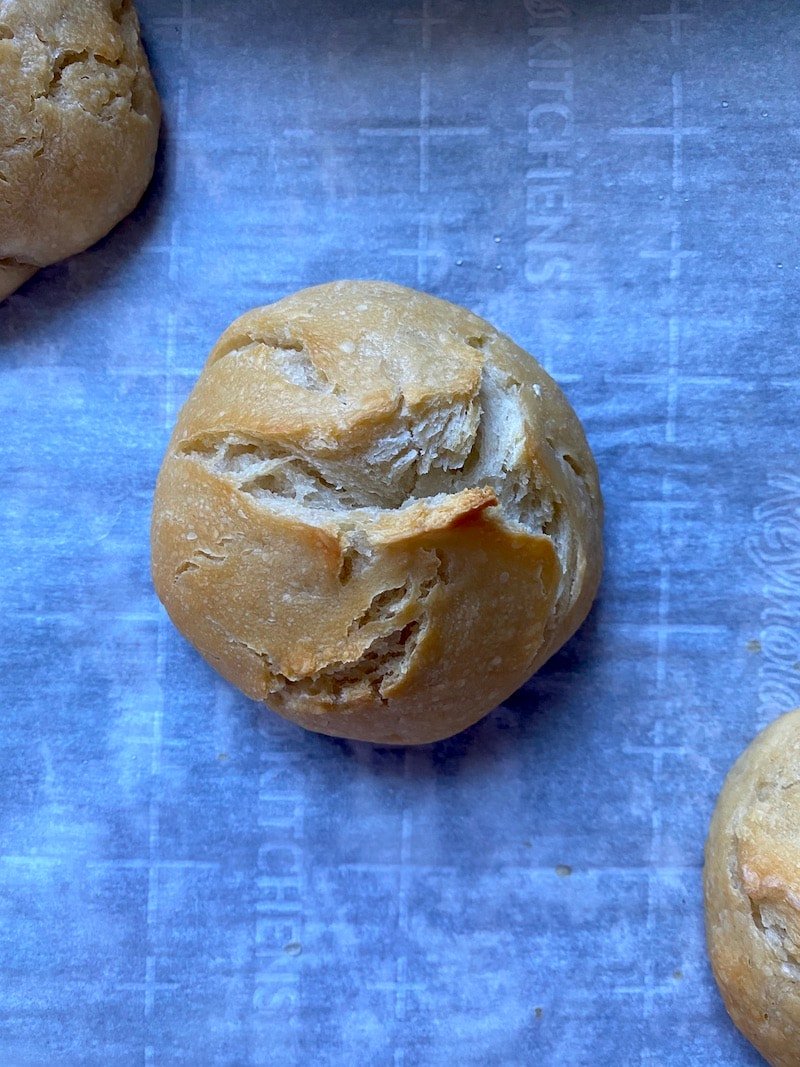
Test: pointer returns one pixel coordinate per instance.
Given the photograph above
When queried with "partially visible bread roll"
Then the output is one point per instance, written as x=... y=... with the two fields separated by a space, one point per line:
x=376 y=513
x=79 y=120
x=752 y=892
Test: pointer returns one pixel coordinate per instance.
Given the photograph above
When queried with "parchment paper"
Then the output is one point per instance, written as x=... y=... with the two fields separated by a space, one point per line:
x=186 y=881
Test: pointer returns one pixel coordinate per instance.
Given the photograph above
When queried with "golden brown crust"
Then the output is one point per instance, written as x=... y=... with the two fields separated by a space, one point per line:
x=752 y=892
x=376 y=513
x=79 y=120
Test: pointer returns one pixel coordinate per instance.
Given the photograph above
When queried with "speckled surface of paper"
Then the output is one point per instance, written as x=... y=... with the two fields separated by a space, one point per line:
x=183 y=882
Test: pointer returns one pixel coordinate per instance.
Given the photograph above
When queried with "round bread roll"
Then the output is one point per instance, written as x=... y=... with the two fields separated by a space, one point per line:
x=79 y=119
x=752 y=892
x=376 y=513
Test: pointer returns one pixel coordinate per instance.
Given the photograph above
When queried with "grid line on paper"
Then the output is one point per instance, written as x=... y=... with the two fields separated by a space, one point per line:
x=425 y=132
x=184 y=22
x=424 y=251
x=675 y=17
x=151 y=985
x=376 y=867
x=425 y=21
x=673 y=256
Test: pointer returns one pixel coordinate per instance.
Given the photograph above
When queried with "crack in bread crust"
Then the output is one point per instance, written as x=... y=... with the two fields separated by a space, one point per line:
x=386 y=659
x=273 y=471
